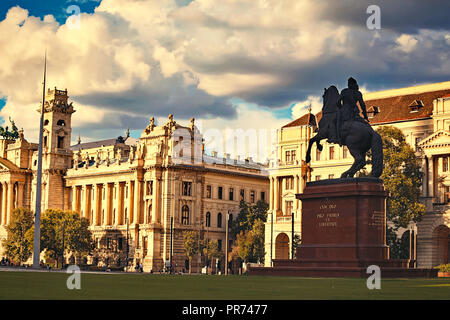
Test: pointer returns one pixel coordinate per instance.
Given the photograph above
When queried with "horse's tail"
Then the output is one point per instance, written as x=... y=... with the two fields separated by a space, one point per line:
x=377 y=155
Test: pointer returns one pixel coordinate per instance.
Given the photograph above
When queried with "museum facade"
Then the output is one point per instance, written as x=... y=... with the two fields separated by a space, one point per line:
x=140 y=195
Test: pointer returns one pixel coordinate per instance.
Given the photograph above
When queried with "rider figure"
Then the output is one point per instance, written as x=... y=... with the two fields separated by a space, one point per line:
x=348 y=109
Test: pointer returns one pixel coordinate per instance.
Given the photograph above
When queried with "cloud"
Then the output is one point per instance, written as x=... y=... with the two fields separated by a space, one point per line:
x=132 y=59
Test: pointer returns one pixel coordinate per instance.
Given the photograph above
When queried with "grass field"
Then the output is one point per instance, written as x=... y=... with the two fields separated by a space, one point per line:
x=52 y=285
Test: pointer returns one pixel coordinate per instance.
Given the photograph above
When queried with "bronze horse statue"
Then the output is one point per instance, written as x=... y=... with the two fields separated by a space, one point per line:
x=356 y=134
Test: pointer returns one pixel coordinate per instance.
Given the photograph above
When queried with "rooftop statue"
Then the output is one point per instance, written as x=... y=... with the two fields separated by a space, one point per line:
x=341 y=123
x=10 y=135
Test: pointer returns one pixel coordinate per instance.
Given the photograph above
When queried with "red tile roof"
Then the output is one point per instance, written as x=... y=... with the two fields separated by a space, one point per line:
x=393 y=109
x=304 y=120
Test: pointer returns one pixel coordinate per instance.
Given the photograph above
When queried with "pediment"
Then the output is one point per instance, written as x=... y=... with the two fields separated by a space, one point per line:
x=6 y=165
x=436 y=140
x=289 y=194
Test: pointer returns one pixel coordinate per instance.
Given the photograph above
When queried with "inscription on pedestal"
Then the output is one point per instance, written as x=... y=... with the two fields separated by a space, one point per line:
x=377 y=219
x=327 y=219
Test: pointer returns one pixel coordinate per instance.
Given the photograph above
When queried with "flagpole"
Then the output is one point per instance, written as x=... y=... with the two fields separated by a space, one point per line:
x=37 y=220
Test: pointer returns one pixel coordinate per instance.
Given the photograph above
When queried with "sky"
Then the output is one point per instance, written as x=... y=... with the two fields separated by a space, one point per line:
x=237 y=64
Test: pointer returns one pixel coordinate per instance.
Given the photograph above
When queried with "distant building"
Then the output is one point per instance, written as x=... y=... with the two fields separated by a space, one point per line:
x=129 y=189
x=423 y=115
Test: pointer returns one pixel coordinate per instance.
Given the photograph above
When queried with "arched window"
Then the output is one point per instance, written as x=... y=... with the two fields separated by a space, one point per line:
x=208 y=219
x=185 y=215
x=61 y=123
x=219 y=220
x=46 y=122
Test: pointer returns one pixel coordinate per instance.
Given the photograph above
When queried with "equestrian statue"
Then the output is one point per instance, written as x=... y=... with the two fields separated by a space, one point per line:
x=341 y=123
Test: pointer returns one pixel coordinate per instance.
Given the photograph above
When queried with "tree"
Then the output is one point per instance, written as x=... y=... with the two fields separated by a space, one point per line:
x=247 y=216
x=210 y=249
x=63 y=231
x=17 y=244
x=402 y=177
x=297 y=241
x=250 y=244
x=191 y=245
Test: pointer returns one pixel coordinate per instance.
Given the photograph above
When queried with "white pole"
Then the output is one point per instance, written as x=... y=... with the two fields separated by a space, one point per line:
x=37 y=219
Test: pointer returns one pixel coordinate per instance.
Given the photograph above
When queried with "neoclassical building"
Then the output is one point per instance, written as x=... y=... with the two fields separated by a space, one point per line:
x=423 y=114
x=131 y=189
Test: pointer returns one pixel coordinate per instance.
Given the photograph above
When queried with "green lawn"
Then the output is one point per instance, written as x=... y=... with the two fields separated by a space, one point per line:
x=52 y=285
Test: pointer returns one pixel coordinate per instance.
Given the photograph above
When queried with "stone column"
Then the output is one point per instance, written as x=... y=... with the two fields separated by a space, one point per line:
x=138 y=201
x=431 y=176
x=95 y=205
x=10 y=202
x=131 y=185
x=109 y=201
x=104 y=204
x=271 y=195
x=117 y=203
x=20 y=195
x=439 y=192
x=156 y=201
x=4 y=202
x=276 y=194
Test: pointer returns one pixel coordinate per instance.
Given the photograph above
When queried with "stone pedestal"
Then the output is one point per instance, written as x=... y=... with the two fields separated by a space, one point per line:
x=343 y=232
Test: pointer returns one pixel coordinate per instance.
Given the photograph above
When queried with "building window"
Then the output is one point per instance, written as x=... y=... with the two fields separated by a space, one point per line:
x=293 y=155
x=185 y=215
x=288 y=207
x=317 y=178
x=288 y=156
x=45 y=141
x=219 y=220
x=220 y=190
x=61 y=123
x=242 y=195
x=231 y=195
x=345 y=152
x=318 y=152
x=252 y=196
x=187 y=186
x=208 y=219
x=289 y=183
x=445 y=164
x=149 y=188
x=331 y=176
x=331 y=153
x=208 y=192
x=60 y=142
x=263 y=196
x=219 y=245
x=120 y=241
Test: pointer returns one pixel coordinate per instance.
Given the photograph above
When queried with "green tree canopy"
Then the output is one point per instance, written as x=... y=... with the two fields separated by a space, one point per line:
x=249 y=244
x=17 y=244
x=402 y=177
x=191 y=245
x=63 y=231
x=247 y=216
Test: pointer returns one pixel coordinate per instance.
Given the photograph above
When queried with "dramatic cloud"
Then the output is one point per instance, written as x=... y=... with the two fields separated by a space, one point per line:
x=132 y=59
